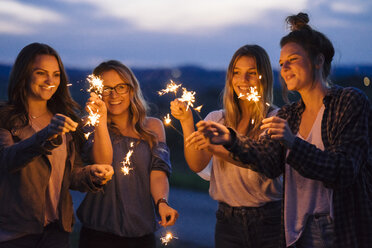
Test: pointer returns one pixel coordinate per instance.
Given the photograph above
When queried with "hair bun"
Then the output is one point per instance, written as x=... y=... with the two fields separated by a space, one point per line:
x=299 y=21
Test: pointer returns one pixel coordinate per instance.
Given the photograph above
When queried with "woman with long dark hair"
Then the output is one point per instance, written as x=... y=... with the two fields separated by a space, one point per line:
x=39 y=158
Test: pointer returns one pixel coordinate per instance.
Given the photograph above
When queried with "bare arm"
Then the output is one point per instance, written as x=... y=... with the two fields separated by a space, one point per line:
x=195 y=158
x=102 y=152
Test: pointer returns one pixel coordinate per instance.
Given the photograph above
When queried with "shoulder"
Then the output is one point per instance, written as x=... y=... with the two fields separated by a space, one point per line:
x=217 y=116
x=155 y=125
x=347 y=97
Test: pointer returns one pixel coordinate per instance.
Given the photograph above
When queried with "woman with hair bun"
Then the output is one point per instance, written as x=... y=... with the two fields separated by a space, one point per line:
x=322 y=144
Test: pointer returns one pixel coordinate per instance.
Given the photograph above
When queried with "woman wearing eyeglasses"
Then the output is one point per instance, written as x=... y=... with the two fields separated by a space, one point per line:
x=124 y=213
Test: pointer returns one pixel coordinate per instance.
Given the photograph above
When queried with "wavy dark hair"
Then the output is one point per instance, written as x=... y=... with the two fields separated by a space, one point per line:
x=14 y=112
x=138 y=106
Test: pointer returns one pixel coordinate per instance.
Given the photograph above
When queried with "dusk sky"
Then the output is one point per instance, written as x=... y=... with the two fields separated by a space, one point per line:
x=171 y=33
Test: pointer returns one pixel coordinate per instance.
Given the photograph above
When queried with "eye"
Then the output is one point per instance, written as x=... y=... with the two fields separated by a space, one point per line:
x=57 y=74
x=121 y=86
x=293 y=59
x=40 y=73
x=253 y=73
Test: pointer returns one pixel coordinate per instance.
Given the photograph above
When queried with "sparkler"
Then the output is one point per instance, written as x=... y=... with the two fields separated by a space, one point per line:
x=167 y=238
x=252 y=95
x=189 y=97
x=171 y=87
x=167 y=122
x=126 y=162
x=96 y=85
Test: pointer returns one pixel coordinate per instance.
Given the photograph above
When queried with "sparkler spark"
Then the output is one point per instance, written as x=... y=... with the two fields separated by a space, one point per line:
x=189 y=97
x=167 y=122
x=96 y=84
x=93 y=118
x=68 y=85
x=252 y=95
x=167 y=238
x=198 y=108
x=86 y=135
x=171 y=87
x=126 y=162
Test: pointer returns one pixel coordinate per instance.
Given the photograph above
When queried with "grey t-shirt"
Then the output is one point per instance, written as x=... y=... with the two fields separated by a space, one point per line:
x=237 y=186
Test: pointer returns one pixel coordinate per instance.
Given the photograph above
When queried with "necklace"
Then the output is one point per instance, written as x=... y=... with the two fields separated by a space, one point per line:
x=35 y=117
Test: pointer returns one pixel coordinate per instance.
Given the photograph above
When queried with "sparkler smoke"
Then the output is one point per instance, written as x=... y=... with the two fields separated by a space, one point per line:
x=167 y=121
x=167 y=238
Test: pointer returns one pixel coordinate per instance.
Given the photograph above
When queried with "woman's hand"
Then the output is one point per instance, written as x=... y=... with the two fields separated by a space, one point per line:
x=217 y=133
x=168 y=215
x=178 y=111
x=197 y=140
x=61 y=124
x=278 y=129
x=101 y=173
x=96 y=105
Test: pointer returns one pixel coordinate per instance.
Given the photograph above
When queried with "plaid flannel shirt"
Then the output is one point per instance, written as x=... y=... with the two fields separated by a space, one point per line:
x=345 y=165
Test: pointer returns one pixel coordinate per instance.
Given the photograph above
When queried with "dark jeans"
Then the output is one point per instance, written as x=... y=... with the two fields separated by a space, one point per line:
x=90 y=238
x=318 y=232
x=51 y=237
x=248 y=227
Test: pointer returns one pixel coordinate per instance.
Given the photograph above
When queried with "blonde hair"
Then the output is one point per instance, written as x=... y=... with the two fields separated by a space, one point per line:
x=231 y=102
x=138 y=106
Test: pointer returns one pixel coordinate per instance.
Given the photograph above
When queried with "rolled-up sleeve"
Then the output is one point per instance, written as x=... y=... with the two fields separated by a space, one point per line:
x=161 y=158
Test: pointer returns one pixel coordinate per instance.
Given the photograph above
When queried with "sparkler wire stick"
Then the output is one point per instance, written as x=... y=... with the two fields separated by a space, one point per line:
x=167 y=122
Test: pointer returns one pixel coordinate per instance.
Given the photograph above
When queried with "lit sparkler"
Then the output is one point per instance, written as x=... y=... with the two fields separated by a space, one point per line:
x=171 y=87
x=189 y=97
x=167 y=122
x=126 y=163
x=93 y=118
x=167 y=238
x=252 y=95
x=96 y=85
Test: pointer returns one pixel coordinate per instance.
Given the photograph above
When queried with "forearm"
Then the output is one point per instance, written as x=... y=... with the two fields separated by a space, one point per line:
x=159 y=185
x=102 y=147
x=197 y=160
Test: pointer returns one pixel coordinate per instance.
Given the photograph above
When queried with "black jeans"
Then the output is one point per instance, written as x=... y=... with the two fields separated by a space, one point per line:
x=90 y=238
x=248 y=227
x=51 y=237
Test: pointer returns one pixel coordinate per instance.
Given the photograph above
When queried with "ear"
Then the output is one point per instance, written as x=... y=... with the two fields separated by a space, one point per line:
x=319 y=61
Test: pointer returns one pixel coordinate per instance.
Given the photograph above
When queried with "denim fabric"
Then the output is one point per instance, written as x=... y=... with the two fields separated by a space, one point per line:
x=248 y=227
x=90 y=238
x=318 y=232
x=51 y=237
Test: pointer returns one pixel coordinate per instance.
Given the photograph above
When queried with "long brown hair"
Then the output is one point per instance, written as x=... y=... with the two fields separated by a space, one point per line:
x=232 y=108
x=138 y=106
x=14 y=113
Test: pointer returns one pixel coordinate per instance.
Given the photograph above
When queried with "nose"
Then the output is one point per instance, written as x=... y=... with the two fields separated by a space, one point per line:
x=113 y=93
x=285 y=65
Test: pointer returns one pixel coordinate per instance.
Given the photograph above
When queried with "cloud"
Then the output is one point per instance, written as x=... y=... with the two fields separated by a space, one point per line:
x=191 y=16
x=348 y=7
x=21 y=18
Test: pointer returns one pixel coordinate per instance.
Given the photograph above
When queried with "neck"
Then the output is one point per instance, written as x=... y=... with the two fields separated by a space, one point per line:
x=121 y=121
x=37 y=108
x=313 y=97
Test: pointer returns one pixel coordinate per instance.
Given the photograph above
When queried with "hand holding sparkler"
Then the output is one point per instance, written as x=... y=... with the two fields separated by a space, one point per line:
x=97 y=106
x=180 y=112
x=61 y=124
x=101 y=173
x=198 y=141
x=217 y=133
x=168 y=214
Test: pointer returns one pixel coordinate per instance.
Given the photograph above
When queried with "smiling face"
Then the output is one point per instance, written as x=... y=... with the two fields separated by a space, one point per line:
x=245 y=75
x=296 y=68
x=116 y=104
x=45 y=78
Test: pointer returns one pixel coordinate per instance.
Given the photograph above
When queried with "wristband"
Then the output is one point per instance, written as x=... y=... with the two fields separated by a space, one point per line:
x=160 y=201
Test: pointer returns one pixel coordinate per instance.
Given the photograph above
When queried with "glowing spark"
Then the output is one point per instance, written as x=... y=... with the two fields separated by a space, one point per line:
x=167 y=238
x=188 y=96
x=198 y=108
x=252 y=121
x=366 y=81
x=96 y=84
x=252 y=95
x=267 y=104
x=167 y=120
x=260 y=76
x=68 y=85
x=126 y=163
x=171 y=87
x=93 y=118
x=86 y=135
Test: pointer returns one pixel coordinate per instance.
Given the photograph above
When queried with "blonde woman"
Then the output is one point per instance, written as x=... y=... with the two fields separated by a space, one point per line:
x=124 y=214
x=249 y=204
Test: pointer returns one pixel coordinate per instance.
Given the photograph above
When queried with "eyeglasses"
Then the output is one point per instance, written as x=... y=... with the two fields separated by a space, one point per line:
x=120 y=89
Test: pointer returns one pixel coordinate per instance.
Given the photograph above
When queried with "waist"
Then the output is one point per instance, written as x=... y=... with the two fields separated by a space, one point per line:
x=241 y=211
